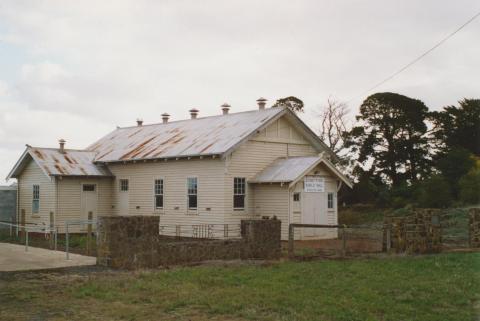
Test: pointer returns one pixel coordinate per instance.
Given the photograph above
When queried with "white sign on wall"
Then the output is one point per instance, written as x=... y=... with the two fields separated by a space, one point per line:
x=314 y=184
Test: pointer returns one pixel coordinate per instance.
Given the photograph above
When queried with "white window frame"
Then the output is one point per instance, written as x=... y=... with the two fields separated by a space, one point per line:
x=35 y=198
x=295 y=194
x=237 y=194
x=332 y=201
x=155 y=193
x=120 y=185
x=192 y=209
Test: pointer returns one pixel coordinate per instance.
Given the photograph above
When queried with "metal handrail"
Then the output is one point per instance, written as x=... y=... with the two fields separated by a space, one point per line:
x=28 y=229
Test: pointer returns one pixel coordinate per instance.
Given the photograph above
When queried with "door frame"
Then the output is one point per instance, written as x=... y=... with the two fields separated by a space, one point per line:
x=95 y=213
x=120 y=193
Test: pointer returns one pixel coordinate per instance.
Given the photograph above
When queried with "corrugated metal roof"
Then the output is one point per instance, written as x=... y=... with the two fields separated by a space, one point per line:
x=285 y=170
x=69 y=163
x=194 y=137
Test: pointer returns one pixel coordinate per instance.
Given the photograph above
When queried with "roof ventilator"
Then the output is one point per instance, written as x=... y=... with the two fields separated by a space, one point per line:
x=225 y=108
x=62 y=142
x=194 y=113
x=165 y=117
x=261 y=103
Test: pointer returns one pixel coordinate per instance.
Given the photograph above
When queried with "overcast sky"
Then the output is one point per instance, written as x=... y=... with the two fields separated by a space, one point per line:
x=76 y=69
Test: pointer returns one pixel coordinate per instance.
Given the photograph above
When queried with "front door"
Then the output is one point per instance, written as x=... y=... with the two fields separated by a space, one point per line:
x=314 y=212
x=89 y=201
x=123 y=200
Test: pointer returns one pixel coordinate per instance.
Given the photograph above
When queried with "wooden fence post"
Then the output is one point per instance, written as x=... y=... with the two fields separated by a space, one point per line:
x=344 y=242
x=388 y=239
x=89 y=233
x=290 y=241
x=51 y=230
x=22 y=222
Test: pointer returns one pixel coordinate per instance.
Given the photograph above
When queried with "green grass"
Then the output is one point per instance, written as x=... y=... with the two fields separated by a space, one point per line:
x=360 y=215
x=437 y=287
x=455 y=224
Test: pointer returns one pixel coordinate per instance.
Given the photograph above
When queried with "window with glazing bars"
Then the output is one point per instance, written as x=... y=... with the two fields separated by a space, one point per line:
x=330 y=200
x=158 y=193
x=192 y=187
x=36 y=199
x=296 y=197
x=239 y=193
x=124 y=185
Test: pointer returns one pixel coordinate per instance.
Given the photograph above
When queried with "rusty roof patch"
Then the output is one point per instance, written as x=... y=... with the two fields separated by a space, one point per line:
x=72 y=163
x=47 y=170
x=38 y=153
x=137 y=149
x=206 y=148
x=59 y=169
x=202 y=136
x=69 y=160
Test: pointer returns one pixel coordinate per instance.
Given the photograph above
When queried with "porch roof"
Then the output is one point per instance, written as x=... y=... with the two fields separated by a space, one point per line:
x=292 y=169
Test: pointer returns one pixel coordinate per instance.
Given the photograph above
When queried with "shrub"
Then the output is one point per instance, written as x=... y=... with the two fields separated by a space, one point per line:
x=470 y=187
x=435 y=192
x=455 y=164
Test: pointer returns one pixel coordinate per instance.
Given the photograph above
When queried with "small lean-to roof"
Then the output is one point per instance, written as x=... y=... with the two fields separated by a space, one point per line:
x=54 y=163
x=290 y=170
x=213 y=135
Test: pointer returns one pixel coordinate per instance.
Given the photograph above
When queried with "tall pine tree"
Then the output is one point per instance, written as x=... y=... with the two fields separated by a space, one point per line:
x=391 y=137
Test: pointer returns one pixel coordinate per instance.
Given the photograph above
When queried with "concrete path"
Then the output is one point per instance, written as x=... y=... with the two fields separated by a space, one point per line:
x=14 y=258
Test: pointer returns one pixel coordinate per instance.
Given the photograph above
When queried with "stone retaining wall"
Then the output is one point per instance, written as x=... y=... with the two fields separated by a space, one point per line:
x=417 y=233
x=133 y=242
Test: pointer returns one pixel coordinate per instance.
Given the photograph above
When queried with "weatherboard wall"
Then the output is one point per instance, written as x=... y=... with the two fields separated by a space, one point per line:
x=280 y=139
x=70 y=201
x=141 y=176
x=33 y=175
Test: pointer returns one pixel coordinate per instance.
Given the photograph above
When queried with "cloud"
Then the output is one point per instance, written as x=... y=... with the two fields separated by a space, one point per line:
x=86 y=66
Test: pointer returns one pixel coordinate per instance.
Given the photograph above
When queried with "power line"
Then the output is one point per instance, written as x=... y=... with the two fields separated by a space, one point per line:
x=419 y=57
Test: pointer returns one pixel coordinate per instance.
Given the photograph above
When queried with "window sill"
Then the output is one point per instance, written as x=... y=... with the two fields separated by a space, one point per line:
x=239 y=210
x=35 y=215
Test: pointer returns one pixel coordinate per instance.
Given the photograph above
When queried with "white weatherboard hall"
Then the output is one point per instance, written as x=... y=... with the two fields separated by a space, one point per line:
x=211 y=170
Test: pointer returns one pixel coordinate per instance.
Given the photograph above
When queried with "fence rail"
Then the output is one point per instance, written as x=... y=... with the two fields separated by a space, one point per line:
x=201 y=231
x=27 y=228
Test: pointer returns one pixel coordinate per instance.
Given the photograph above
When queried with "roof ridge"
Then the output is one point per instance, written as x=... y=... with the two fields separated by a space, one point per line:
x=66 y=149
x=201 y=118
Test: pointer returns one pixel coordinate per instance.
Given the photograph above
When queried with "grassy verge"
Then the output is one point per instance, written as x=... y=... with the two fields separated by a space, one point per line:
x=437 y=287
x=360 y=215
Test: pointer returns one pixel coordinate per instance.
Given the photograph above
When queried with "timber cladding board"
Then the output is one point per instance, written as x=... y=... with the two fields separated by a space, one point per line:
x=33 y=175
x=141 y=176
x=70 y=200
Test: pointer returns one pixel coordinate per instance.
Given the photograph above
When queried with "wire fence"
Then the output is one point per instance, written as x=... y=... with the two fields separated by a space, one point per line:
x=76 y=236
x=310 y=240
x=21 y=233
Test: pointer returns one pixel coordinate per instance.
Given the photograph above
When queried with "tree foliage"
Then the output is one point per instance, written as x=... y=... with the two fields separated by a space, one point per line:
x=454 y=164
x=391 y=137
x=293 y=103
x=458 y=126
x=435 y=192
x=470 y=187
